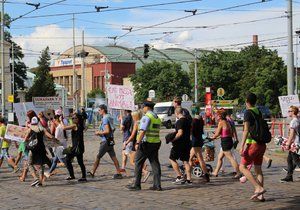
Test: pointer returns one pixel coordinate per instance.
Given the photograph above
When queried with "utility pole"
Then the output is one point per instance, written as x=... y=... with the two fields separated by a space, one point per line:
x=74 y=70
x=196 y=78
x=290 y=53
x=13 y=72
x=2 y=61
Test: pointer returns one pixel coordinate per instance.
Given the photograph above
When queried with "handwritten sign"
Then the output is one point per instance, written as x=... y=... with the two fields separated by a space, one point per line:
x=15 y=133
x=120 y=97
x=287 y=101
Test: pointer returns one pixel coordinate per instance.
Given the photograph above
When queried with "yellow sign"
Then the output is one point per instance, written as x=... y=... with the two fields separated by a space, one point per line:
x=220 y=92
x=11 y=98
x=225 y=102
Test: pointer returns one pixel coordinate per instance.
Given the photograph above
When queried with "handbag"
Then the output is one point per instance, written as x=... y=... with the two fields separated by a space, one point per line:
x=33 y=142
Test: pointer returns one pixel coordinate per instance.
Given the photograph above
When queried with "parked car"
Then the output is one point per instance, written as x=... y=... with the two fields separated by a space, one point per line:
x=239 y=115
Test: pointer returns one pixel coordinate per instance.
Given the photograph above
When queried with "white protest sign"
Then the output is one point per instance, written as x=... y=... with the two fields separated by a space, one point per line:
x=47 y=102
x=120 y=97
x=287 y=101
x=20 y=111
x=15 y=133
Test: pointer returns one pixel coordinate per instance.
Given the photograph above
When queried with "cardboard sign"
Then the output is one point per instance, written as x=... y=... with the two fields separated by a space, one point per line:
x=15 y=132
x=47 y=102
x=120 y=97
x=287 y=101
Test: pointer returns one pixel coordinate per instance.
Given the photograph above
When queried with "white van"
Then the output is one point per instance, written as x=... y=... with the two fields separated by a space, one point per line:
x=165 y=111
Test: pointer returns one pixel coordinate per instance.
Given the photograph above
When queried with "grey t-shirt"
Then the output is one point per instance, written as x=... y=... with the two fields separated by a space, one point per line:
x=294 y=124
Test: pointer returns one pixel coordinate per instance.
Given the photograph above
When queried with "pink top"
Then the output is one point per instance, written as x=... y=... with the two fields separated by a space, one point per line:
x=225 y=132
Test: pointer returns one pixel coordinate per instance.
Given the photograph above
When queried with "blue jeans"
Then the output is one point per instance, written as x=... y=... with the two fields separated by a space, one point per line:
x=54 y=163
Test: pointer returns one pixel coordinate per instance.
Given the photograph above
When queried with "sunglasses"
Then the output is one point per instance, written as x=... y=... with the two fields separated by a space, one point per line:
x=290 y=111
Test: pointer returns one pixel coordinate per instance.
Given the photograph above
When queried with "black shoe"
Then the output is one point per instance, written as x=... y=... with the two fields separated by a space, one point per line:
x=82 y=180
x=133 y=188
x=70 y=178
x=188 y=182
x=117 y=176
x=206 y=177
x=286 y=179
x=155 y=188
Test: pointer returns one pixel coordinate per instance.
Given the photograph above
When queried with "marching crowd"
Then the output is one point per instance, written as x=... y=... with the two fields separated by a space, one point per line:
x=46 y=144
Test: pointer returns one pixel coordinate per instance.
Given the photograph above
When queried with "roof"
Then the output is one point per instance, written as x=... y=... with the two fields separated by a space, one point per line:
x=115 y=53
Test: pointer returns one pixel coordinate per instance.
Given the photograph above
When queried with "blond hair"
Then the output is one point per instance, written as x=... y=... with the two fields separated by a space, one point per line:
x=137 y=115
x=294 y=109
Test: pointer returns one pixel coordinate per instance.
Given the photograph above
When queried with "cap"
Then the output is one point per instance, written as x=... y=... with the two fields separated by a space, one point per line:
x=58 y=112
x=34 y=121
x=149 y=104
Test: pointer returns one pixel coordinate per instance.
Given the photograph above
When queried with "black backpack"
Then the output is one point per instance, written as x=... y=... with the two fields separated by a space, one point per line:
x=260 y=130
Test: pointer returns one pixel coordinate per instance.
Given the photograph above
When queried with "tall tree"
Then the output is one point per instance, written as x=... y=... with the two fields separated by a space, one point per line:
x=19 y=66
x=43 y=84
x=167 y=79
x=254 y=69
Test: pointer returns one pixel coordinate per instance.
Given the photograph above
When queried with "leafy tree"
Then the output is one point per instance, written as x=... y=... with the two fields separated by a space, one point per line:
x=96 y=93
x=19 y=66
x=43 y=84
x=254 y=69
x=167 y=79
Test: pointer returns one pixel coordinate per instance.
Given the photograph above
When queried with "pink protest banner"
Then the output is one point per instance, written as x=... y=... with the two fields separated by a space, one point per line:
x=120 y=97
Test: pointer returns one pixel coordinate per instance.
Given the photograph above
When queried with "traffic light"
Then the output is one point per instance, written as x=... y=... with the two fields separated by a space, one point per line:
x=146 y=50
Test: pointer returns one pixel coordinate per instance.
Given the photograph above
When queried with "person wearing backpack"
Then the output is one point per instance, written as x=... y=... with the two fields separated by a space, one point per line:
x=106 y=135
x=293 y=158
x=253 y=146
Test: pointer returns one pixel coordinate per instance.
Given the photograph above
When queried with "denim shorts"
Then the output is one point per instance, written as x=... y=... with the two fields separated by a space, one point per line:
x=4 y=153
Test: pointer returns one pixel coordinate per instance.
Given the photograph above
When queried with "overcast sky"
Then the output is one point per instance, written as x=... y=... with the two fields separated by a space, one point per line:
x=228 y=29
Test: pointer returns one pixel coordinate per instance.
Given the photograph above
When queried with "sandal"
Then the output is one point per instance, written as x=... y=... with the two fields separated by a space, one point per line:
x=257 y=194
x=91 y=174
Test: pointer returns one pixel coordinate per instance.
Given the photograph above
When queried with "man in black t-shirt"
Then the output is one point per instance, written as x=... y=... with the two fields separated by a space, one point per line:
x=181 y=147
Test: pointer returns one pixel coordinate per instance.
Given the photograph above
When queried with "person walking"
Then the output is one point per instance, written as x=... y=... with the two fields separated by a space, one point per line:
x=293 y=158
x=181 y=147
x=106 y=142
x=126 y=127
x=225 y=131
x=252 y=152
x=147 y=147
x=77 y=148
x=197 y=143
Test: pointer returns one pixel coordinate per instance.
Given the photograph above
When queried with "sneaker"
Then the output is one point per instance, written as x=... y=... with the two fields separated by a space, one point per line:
x=117 y=176
x=82 y=180
x=178 y=180
x=146 y=176
x=38 y=185
x=35 y=182
x=285 y=169
x=286 y=179
x=188 y=182
x=133 y=188
x=70 y=178
x=155 y=188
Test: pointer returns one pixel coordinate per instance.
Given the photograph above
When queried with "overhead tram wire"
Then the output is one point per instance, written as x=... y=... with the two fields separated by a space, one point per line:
x=112 y=10
x=37 y=8
x=188 y=16
x=34 y=26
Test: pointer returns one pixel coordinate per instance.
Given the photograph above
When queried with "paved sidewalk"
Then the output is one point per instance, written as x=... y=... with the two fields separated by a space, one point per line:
x=102 y=192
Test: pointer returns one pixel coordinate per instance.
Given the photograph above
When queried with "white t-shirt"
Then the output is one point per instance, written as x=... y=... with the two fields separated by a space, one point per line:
x=294 y=124
x=59 y=134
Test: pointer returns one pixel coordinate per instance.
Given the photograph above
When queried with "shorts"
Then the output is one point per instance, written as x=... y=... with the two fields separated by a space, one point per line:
x=4 y=153
x=253 y=154
x=196 y=142
x=226 y=143
x=105 y=148
x=180 y=153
